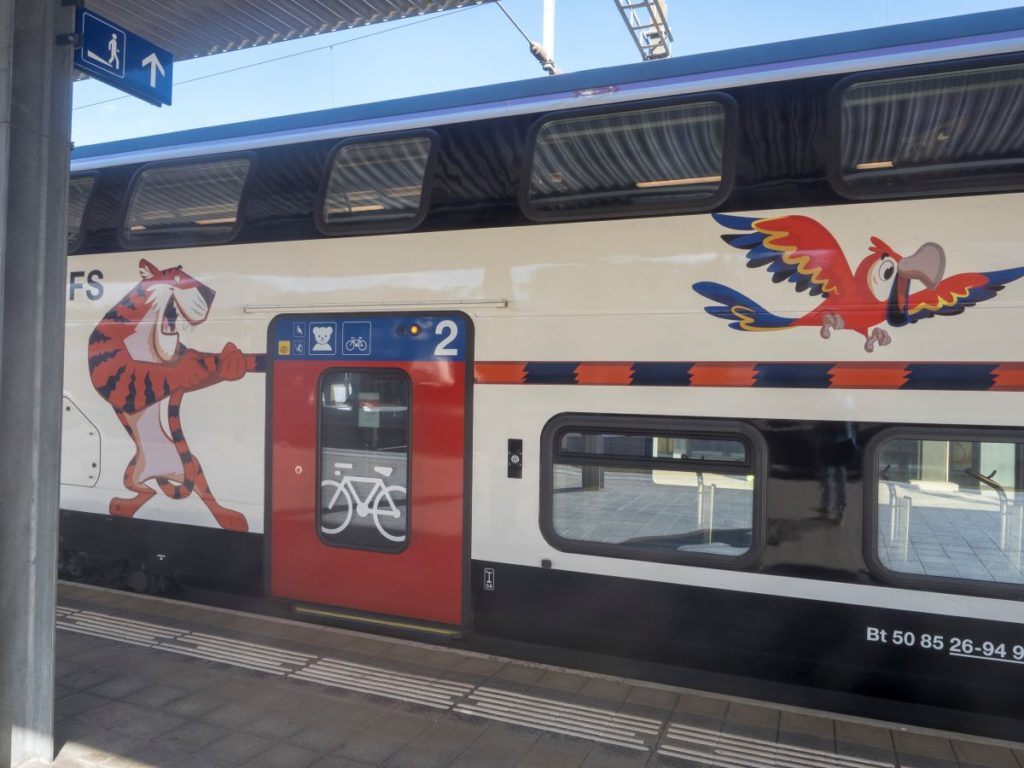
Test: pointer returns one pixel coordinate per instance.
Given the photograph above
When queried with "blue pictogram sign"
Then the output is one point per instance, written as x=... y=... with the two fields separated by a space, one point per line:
x=371 y=338
x=325 y=338
x=122 y=59
x=356 y=338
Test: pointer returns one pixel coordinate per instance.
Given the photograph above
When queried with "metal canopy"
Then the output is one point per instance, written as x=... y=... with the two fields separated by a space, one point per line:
x=191 y=28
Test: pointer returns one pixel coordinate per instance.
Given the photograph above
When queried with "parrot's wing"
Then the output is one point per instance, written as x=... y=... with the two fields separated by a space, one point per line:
x=958 y=292
x=795 y=249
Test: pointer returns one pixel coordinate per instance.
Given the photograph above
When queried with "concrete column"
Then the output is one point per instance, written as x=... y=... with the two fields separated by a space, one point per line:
x=35 y=124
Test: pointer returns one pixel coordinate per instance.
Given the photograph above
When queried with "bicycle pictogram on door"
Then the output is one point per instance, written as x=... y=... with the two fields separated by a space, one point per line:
x=380 y=501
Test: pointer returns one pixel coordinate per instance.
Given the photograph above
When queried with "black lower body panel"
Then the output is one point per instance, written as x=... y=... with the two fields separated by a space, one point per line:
x=191 y=555
x=801 y=652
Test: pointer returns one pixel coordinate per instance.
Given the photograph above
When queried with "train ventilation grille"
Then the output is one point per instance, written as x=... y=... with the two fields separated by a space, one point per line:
x=725 y=750
x=600 y=725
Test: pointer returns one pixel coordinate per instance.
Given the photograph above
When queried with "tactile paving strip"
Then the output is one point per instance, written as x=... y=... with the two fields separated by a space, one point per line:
x=600 y=725
x=724 y=750
x=428 y=691
x=114 y=627
x=263 y=658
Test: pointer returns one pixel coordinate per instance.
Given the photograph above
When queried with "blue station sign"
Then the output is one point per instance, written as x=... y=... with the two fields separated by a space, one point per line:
x=122 y=59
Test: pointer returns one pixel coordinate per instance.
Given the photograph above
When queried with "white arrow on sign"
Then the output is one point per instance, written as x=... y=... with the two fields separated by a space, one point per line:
x=154 y=64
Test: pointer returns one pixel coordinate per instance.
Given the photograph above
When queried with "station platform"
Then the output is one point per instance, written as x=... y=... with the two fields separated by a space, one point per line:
x=144 y=681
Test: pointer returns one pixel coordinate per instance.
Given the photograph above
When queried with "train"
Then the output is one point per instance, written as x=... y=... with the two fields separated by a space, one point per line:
x=704 y=370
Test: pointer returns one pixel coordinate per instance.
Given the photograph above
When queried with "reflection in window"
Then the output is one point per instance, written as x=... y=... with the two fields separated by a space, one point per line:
x=364 y=459
x=935 y=130
x=79 y=189
x=653 y=493
x=377 y=182
x=656 y=159
x=626 y=445
x=193 y=203
x=951 y=508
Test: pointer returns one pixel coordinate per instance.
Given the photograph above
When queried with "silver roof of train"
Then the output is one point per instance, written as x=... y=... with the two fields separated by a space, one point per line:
x=957 y=37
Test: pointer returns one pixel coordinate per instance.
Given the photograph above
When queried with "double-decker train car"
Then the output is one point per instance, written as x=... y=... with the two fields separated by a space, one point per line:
x=706 y=370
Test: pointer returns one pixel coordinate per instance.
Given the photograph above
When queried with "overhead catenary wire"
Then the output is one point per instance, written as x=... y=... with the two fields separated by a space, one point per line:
x=331 y=47
x=515 y=24
x=535 y=48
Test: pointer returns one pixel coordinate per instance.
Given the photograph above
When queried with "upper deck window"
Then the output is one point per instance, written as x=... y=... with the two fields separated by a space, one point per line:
x=630 y=162
x=79 y=191
x=942 y=131
x=192 y=203
x=377 y=185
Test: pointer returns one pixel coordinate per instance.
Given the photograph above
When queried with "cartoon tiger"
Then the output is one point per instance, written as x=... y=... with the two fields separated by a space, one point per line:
x=136 y=361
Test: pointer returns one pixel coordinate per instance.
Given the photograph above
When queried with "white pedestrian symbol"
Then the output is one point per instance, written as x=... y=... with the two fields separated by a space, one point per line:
x=112 y=58
x=114 y=61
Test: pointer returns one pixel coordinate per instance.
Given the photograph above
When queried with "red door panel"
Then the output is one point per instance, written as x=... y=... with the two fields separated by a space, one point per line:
x=420 y=576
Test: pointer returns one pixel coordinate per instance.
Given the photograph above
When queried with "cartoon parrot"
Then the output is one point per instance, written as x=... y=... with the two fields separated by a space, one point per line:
x=799 y=250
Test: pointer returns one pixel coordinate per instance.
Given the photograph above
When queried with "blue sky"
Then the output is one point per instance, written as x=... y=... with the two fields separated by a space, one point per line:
x=457 y=49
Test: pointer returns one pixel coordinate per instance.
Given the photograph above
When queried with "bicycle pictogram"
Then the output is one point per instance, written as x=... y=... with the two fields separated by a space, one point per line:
x=378 y=502
x=355 y=344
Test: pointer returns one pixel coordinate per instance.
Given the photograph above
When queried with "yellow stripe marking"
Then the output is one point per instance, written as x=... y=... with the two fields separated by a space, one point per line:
x=380 y=622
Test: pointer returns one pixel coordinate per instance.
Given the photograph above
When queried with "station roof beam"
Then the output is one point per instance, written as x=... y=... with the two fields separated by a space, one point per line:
x=192 y=28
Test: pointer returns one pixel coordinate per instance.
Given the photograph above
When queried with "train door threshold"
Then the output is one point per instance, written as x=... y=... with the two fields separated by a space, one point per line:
x=151 y=682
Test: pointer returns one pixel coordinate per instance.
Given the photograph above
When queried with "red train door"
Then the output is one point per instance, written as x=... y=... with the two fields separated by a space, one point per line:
x=368 y=436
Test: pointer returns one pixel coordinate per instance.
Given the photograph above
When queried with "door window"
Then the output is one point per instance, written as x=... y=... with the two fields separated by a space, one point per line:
x=364 y=459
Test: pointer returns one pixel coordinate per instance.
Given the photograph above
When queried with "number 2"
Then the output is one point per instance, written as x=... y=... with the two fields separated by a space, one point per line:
x=444 y=348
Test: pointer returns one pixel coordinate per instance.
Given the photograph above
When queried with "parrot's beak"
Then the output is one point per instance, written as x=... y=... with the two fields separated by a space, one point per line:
x=927 y=265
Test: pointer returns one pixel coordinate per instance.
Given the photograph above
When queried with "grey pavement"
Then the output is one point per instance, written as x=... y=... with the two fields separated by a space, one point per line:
x=149 y=682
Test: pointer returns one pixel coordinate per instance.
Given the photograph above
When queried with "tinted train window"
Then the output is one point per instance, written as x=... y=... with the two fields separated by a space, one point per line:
x=951 y=509
x=629 y=162
x=79 y=190
x=932 y=132
x=377 y=185
x=364 y=460
x=186 y=204
x=652 y=490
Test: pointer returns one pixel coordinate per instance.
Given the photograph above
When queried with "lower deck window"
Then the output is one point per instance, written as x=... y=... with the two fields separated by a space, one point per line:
x=364 y=459
x=643 y=492
x=951 y=508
